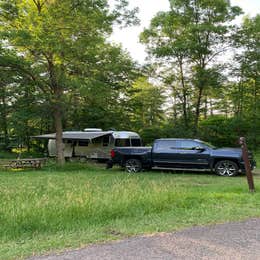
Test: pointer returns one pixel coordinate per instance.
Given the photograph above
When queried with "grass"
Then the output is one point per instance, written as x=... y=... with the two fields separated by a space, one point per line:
x=57 y=208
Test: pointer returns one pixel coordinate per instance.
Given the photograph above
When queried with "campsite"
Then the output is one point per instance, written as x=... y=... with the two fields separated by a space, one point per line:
x=124 y=118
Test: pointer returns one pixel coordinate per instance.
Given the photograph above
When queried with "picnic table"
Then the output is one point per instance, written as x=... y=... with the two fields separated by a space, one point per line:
x=35 y=163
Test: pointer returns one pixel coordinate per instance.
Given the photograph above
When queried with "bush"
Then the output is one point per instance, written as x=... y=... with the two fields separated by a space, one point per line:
x=223 y=131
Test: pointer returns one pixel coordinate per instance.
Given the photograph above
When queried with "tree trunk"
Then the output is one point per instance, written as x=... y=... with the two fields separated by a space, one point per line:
x=197 y=113
x=255 y=115
x=4 y=120
x=175 y=114
x=184 y=94
x=211 y=107
x=59 y=130
x=206 y=108
x=58 y=109
x=240 y=99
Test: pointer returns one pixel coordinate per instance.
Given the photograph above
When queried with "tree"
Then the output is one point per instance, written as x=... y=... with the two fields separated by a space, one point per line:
x=100 y=102
x=8 y=80
x=246 y=91
x=22 y=113
x=64 y=43
x=189 y=38
x=4 y=107
x=145 y=104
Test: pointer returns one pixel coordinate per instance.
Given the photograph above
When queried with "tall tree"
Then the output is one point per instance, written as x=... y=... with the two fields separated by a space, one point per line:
x=4 y=106
x=103 y=105
x=145 y=104
x=190 y=37
x=62 y=41
x=246 y=91
x=8 y=82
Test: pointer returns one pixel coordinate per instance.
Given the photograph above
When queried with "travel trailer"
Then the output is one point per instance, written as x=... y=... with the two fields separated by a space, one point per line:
x=91 y=143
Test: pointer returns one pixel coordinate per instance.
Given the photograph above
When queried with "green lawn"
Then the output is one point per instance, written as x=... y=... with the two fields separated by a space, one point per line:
x=53 y=209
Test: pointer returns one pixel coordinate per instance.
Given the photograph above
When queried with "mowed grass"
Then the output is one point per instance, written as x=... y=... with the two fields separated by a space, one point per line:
x=54 y=209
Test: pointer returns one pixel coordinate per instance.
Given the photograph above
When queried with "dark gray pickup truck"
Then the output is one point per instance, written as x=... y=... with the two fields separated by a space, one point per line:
x=190 y=154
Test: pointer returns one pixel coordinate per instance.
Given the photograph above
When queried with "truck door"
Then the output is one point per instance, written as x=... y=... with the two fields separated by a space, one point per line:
x=165 y=153
x=192 y=154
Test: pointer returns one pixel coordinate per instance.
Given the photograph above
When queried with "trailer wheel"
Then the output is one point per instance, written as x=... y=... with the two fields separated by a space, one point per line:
x=133 y=165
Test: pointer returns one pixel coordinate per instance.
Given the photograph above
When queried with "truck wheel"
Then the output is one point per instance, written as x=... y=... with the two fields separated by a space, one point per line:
x=226 y=168
x=133 y=165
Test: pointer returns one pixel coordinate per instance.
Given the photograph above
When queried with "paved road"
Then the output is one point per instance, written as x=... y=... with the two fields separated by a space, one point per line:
x=234 y=241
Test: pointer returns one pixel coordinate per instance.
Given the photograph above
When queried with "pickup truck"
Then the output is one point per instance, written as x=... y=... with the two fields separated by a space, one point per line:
x=182 y=154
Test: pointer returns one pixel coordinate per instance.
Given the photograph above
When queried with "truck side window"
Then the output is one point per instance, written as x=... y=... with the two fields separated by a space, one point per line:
x=188 y=144
x=168 y=144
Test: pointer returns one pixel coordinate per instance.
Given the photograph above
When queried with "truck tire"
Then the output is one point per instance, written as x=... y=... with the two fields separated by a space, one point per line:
x=226 y=168
x=133 y=165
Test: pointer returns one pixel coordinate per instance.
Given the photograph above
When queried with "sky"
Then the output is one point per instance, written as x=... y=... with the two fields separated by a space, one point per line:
x=129 y=37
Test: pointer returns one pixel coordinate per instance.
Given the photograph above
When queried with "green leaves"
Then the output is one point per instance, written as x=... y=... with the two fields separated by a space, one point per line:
x=188 y=39
x=144 y=102
x=60 y=47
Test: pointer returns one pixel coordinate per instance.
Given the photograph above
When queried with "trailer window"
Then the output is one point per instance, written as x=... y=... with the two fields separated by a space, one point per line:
x=106 y=140
x=122 y=142
x=83 y=143
x=136 y=142
x=97 y=140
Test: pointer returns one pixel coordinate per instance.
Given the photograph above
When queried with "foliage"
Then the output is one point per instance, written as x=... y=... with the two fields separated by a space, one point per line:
x=187 y=39
x=58 y=71
x=246 y=92
x=145 y=101
x=222 y=131
x=64 y=43
x=149 y=134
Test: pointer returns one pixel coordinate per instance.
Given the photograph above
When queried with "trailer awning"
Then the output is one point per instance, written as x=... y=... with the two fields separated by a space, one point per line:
x=75 y=135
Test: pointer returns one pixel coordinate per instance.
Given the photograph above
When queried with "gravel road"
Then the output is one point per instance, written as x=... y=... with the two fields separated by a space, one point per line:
x=239 y=240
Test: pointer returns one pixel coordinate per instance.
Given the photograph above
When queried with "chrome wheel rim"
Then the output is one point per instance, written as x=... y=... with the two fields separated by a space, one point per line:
x=132 y=166
x=226 y=169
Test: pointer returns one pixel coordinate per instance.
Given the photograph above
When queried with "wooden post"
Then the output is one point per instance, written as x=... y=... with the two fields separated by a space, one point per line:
x=249 y=175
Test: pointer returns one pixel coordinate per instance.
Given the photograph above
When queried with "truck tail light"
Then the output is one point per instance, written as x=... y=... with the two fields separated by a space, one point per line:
x=112 y=153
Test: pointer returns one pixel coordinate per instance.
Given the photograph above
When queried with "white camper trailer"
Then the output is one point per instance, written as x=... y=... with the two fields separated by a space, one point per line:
x=91 y=143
